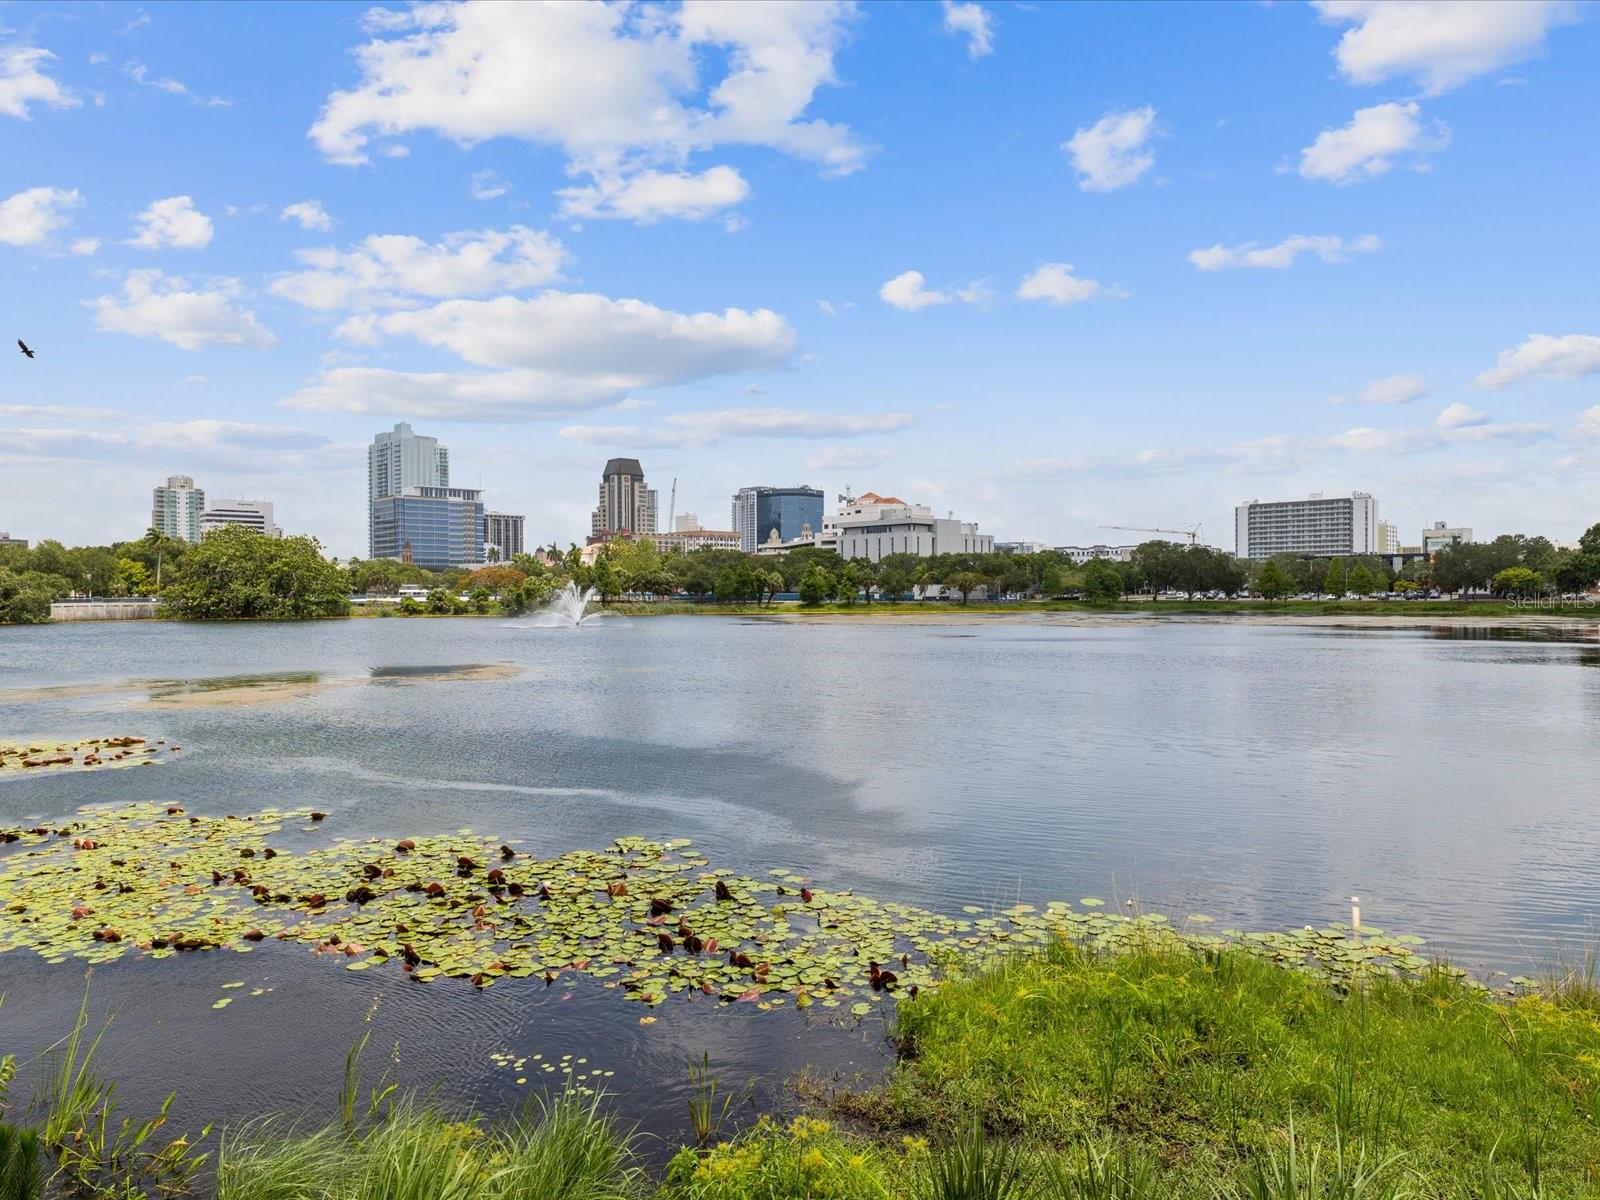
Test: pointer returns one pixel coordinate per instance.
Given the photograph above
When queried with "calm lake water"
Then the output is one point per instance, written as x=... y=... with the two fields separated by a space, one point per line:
x=1259 y=774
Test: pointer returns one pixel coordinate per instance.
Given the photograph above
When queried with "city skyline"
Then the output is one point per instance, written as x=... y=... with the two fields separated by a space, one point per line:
x=1048 y=269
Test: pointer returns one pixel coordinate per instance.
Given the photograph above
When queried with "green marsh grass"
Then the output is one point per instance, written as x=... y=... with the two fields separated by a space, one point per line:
x=1207 y=1060
x=563 y=1149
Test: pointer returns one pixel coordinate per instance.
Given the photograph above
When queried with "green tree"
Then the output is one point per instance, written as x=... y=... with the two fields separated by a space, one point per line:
x=1589 y=542
x=1159 y=563
x=1578 y=570
x=965 y=582
x=735 y=582
x=238 y=573
x=1361 y=581
x=1272 y=581
x=1102 y=582
x=1050 y=578
x=1334 y=582
x=605 y=579
x=771 y=582
x=1518 y=581
x=132 y=578
x=24 y=597
x=815 y=587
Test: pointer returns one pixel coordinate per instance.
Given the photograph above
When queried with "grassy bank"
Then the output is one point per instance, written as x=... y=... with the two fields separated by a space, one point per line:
x=1162 y=1072
x=1413 y=610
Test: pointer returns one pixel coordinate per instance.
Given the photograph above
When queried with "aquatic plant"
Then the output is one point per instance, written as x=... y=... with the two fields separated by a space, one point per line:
x=21 y=1164
x=564 y=1148
x=50 y=756
x=96 y=1150
x=648 y=919
x=705 y=1114
x=976 y=1167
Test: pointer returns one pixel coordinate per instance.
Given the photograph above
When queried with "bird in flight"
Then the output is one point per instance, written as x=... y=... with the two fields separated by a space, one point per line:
x=23 y=346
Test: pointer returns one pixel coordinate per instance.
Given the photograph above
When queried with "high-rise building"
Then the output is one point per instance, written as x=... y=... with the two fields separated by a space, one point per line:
x=1442 y=537
x=1318 y=527
x=175 y=508
x=1388 y=538
x=757 y=511
x=502 y=536
x=434 y=527
x=627 y=506
x=685 y=523
x=252 y=514
x=399 y=459
x=873 y=526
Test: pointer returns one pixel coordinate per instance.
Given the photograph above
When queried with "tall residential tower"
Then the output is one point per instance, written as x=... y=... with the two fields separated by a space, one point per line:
x=176 y=508
x=396 y=461
x=626 y=506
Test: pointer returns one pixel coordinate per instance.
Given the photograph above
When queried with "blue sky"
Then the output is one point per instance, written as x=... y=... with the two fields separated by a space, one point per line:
x=1053 y=267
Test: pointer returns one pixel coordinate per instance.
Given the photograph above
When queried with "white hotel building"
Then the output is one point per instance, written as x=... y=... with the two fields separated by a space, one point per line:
x=872 y=527
x=1318 y=527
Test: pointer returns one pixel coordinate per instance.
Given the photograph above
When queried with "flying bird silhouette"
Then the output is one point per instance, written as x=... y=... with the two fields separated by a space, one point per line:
x=23 y=346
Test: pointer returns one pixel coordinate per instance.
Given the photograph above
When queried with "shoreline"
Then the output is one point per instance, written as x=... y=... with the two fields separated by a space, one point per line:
x=1357 y=614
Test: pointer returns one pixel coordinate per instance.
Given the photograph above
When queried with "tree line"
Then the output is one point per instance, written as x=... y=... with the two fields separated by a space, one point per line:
x=235 y=572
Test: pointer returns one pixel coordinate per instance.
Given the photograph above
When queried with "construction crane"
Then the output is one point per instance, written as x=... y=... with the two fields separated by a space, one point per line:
x=1192 y=534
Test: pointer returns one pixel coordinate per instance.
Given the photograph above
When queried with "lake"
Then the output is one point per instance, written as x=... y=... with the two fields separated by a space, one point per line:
x=1261 y=774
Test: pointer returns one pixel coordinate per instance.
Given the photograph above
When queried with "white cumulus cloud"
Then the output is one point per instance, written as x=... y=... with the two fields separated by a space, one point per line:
x=1588 y=425
x=1055 y=282
x=1542 y=355
x=173 y=222
x=1461 y=416
x=617 y=88
x=154 y=304
x=1114 y=151
x=1391 y=389
x=23 y=82
x=973 y=22
x=1442 y=43
x=390 y=269
x=309 y=214
x=556 y=352
x=909 y=291
x=1253 y=254
x=30 y=217
x=1371 y=144
x=648 y=196
x=590 y=333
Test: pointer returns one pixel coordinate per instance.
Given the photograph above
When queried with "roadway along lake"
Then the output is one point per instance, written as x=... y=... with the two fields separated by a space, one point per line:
x=1259 y=774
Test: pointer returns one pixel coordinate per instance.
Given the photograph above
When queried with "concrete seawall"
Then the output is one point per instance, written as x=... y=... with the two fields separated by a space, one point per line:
x=133 y=609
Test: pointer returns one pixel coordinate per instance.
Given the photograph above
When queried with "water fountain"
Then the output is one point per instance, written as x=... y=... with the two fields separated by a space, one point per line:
x=568 y=607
